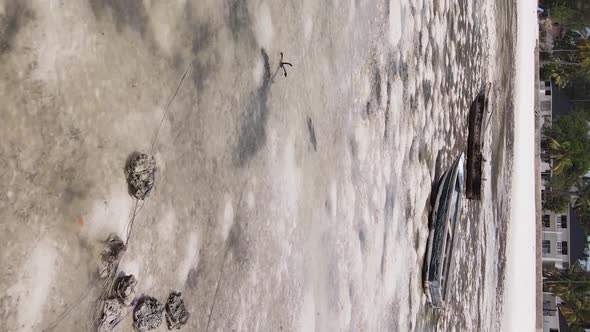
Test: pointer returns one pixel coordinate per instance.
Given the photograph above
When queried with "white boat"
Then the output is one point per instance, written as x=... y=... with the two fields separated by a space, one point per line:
x=443 y=222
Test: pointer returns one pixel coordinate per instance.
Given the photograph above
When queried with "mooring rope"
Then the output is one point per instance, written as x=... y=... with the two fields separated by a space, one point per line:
x=109 y=284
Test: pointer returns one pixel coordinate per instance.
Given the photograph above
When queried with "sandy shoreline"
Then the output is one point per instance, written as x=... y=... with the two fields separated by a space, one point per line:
x=280 y=204
x=538 y=208
x=521 y=291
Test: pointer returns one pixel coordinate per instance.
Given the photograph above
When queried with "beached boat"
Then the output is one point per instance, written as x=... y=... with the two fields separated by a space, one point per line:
x=443 y=221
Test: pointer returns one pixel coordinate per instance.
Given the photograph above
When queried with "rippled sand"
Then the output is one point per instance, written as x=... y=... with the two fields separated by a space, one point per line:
x=293 y=203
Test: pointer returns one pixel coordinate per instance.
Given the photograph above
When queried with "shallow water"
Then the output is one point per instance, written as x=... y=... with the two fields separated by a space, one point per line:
x=281 y=203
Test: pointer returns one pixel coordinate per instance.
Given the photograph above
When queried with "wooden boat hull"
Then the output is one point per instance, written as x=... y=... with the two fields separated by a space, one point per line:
x=475 y=145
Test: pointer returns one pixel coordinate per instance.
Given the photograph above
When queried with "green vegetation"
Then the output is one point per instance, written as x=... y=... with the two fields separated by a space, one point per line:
x=570 y=64
x=567 y=142
x=556 y=201
x=575 y=14
x=568 y=145
x=573 y=287
x=581 y=201
x=569 y=60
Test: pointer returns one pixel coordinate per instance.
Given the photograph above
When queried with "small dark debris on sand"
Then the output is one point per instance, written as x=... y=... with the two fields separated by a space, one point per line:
x=312 y=138
x=125 y=289
x=110 y=257
x=147 y=314
x=112 y=311
x=141 y=174
x=176 y=313
x=282 y=64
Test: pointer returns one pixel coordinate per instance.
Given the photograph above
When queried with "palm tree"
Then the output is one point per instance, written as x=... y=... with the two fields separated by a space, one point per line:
x=576 y=312
x=567 y=282
x=562 y=155
x=584 y=55
x=581 y=198
x=573 y=288
x=568 y=64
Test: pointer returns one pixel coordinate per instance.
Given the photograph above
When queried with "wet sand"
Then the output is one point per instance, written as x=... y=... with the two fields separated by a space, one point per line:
x=293 y=203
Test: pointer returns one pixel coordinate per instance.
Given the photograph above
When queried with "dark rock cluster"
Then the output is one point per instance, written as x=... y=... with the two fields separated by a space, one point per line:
x=141 y=175
x=176 y=313
x=147 y=314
